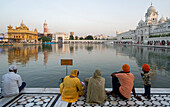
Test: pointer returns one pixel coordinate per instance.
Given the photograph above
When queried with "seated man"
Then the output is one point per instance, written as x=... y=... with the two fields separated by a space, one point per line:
x=123 y=87
x=11 y=83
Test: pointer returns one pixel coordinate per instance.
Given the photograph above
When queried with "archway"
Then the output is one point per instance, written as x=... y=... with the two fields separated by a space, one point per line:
x=60 y=40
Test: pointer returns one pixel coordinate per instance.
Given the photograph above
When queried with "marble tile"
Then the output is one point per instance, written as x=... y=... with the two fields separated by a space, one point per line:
x=131 y=102
x=114 y=102
x=159 y=98
x=165 y=103
x=147 y=103
x=122 y=102
x=80 y=102
x=139 y=102
x=156 y=103
x=166 y=98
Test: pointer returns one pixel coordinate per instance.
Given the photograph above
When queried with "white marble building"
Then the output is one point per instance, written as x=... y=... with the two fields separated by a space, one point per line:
x=60 y=37
x=146 y=28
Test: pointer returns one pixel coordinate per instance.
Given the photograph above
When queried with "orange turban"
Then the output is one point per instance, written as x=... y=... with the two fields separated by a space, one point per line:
x=126 y=68
x=146 y=67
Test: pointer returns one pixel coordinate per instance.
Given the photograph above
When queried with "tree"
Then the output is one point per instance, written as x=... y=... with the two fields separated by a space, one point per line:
x=81 y=38
x=76 y=37
x=89 y=37
x=45 y=39
x=71 y=37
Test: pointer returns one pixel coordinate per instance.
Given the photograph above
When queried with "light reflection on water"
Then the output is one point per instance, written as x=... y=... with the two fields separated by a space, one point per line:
x=39 y=65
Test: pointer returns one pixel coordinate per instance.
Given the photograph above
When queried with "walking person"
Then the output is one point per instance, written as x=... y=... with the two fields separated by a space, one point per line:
x=11 y=83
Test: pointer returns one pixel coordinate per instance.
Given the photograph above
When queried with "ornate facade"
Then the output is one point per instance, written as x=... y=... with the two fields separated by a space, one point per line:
x=22 y=34
x=146 y=30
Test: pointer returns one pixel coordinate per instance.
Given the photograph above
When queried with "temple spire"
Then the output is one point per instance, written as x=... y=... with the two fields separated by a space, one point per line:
x=22 y=23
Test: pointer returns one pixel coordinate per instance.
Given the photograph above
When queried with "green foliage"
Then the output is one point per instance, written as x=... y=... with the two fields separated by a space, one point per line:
x=76 y=37
x=71 y=37
x=156 y=36
x=126 y=38
x=39 y=39
x=81 y=38
x=45 y=39
x=89 y=37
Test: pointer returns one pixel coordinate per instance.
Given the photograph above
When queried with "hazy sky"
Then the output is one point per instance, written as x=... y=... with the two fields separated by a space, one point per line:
x=80 y=16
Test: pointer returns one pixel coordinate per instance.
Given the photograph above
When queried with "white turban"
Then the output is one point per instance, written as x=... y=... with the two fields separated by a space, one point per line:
x=12 y=67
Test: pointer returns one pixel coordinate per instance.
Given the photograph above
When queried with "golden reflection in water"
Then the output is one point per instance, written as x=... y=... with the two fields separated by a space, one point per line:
x=45 y=57
x=21 y=55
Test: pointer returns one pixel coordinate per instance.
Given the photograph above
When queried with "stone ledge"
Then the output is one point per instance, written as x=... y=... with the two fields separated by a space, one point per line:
x=57 y=90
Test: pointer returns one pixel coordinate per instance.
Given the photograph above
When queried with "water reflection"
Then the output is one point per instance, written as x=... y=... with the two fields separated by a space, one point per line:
x=158 y=58
x=87 y=58
x=89 y=48
x=21 y=55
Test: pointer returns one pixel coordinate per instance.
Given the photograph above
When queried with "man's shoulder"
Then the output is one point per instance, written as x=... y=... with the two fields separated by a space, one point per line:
x=5 y=74
x=131 y=74
x=16 y=75
x=128 y=75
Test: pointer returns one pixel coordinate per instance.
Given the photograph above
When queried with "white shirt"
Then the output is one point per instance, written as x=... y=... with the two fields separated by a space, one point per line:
x=10 y=84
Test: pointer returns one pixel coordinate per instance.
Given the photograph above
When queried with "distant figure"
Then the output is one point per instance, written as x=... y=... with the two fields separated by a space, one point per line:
x=11 y=82
x=96 y=89
x=71 y=88
x=123 y=87
x=147 y=80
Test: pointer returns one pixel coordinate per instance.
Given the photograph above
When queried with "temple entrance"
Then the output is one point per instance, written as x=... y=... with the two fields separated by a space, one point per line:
x=60 y=40
x=141 y=38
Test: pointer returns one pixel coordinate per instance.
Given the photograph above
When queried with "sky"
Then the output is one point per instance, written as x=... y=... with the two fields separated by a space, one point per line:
x=83 y=17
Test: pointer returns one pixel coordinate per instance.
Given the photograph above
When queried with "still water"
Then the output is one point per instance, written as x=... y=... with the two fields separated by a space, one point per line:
x=40 y=66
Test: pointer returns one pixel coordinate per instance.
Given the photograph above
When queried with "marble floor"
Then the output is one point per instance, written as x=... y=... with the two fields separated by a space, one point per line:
x=50 y=97
x=35 y=100
x=157 y=100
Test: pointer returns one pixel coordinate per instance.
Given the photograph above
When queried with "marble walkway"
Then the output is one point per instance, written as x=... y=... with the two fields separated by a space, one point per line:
x=50 y=97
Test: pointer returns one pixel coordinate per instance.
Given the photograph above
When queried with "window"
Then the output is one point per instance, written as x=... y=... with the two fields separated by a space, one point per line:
x=168 y=27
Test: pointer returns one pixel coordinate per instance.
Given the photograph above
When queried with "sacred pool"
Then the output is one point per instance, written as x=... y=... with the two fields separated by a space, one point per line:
x=40 y=65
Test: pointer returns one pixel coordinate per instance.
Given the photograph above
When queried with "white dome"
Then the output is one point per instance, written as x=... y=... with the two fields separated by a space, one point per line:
x=141 y=23
x=151 y=9
x=162 y=20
